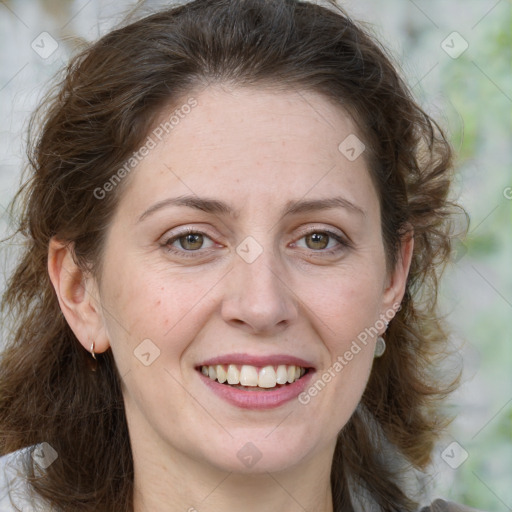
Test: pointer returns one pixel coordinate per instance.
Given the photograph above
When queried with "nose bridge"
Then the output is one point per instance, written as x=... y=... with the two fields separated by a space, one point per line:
x=260 y=275
x=258 y=296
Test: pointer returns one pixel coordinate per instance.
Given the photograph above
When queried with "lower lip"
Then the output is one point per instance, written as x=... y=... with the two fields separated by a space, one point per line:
x=258 y=399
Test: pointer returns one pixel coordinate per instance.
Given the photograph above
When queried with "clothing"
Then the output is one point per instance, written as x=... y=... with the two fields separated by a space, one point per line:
x=14 y=491
x=15 y=494
x=445 y=506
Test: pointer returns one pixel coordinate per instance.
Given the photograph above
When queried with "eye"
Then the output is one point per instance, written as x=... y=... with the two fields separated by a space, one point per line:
x=188 y=241
x=323 y=241
x=193 y=243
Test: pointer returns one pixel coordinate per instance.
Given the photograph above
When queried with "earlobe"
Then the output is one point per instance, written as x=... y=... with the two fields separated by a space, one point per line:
x=77 y=296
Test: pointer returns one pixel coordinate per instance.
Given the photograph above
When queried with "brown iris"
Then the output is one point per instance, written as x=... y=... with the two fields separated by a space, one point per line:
x=192 y=241
x=319 y=240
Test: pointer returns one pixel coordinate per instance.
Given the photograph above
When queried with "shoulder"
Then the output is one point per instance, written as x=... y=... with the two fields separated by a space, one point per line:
x=15 y=493
x=447 y=506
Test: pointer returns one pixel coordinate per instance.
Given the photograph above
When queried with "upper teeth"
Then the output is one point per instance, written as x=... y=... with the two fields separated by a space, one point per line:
x=266 y=377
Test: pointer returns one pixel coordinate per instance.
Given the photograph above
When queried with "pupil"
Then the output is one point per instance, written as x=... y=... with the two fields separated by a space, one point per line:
x=318 y=238
x=192 y=241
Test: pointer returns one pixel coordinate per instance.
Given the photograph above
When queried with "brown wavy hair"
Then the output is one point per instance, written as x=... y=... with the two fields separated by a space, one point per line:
x=90 y=124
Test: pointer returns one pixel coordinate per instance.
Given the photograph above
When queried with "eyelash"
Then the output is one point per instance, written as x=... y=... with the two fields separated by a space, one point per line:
x=343 y=244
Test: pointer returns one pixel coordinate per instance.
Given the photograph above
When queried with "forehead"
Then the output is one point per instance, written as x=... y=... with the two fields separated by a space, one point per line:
x=244 y=143
x=227 y=118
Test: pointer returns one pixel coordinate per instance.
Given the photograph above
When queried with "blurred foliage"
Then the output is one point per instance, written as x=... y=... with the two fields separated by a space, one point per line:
x=478 y=89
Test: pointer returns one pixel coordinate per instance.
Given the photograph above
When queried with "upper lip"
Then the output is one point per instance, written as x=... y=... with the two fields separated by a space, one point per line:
x=260 y=361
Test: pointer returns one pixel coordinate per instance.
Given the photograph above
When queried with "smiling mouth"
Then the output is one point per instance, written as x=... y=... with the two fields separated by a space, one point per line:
x=254 y=378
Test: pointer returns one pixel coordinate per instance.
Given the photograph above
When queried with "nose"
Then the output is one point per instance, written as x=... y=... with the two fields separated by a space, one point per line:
x=257 y=297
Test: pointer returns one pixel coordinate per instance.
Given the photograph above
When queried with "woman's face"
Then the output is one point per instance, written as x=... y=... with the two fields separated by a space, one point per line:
x=247 y=239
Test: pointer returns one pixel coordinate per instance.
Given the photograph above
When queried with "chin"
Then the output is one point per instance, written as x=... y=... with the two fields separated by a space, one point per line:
x=258 y=452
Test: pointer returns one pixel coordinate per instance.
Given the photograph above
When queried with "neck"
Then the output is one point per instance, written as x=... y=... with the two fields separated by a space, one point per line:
x=193 y=486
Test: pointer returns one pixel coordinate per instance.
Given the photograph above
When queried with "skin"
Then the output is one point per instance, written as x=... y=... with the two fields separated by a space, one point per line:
x=254 y=149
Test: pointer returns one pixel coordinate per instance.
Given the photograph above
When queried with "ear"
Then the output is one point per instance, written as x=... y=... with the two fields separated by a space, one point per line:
x=397 y=281
x=78 y=296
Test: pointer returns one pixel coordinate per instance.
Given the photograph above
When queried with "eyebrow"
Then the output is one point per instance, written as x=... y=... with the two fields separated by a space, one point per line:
x=221 y=208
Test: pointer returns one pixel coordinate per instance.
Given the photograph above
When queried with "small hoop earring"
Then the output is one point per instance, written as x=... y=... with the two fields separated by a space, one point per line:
x=380 y=347
x=92 y=351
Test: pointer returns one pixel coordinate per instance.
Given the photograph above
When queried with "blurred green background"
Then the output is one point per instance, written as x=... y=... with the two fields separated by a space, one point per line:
x=456 y=55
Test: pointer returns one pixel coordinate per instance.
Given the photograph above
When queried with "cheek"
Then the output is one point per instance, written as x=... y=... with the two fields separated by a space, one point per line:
x=346 y=310
x=156 y=316
x=343 y=315
x=349 y=303
x=148 y=303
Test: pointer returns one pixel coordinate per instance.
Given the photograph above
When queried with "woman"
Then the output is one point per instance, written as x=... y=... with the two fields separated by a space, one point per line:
x=235 y=224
